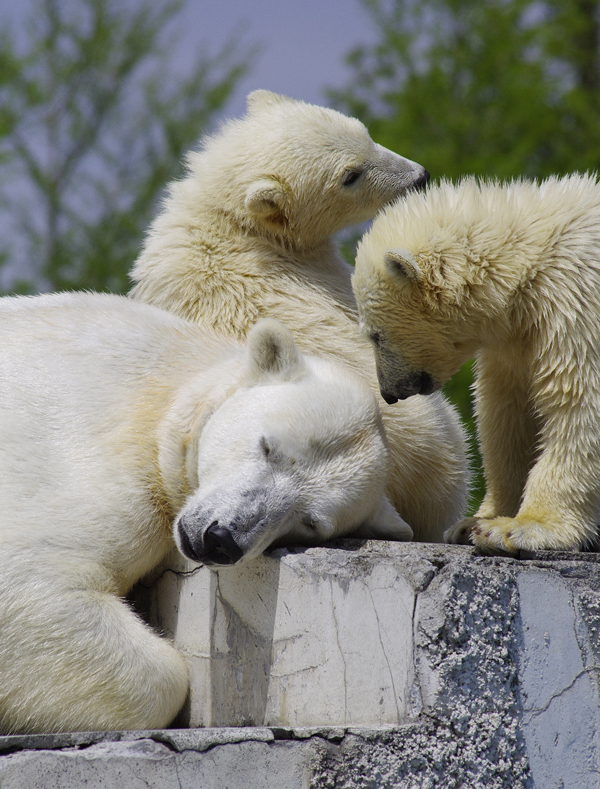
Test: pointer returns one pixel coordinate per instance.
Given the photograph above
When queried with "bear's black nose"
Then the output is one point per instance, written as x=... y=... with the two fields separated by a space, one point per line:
x=390 y=399
x=219 y=546
x=427 y=385
x=421 y=182
x=418 y=383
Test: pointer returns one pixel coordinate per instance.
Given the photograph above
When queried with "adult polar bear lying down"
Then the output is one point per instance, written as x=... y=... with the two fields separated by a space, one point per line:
x=119 y=420
x=248 y=233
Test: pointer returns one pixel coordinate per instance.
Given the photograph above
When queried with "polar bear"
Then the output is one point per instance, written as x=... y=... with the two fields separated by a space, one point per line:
x=509 y=273
x=126 y=430
x=248 y=233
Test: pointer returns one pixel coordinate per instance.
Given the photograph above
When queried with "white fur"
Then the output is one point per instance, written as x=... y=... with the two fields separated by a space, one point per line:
x=511 y=273
x=119 y=420
x=248 y=233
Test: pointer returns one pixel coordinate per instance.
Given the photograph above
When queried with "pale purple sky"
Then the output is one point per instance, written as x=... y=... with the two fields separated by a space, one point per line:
x=303 y=41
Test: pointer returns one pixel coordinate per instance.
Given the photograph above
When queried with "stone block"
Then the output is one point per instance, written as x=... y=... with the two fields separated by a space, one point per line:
x=337 y=621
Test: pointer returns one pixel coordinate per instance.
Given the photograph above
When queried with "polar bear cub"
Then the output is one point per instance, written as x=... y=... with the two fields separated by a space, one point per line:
x=509 y=273
x=125 y=429
x=247 y=233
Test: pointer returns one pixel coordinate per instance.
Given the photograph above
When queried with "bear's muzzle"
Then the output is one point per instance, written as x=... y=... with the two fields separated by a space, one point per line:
x=215 y=546
x=418 y=383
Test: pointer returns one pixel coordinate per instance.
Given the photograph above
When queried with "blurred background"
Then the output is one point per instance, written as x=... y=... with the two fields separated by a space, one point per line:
x=100 y=100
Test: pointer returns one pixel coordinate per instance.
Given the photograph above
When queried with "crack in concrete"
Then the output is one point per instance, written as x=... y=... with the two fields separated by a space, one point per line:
x=337 y=637
x=213 y=624
x=179 y=573
x=177 y=774
x=137 y=777
x=297 y=671
x=417 y=706
x=384 y=653
x=540 y=710
x=416 y=691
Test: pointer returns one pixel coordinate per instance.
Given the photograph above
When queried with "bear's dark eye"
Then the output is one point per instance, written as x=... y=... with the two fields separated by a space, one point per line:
x=265 y=448
x=351 y=176
x=310 y=523
x=375 y=338
x=272 y=452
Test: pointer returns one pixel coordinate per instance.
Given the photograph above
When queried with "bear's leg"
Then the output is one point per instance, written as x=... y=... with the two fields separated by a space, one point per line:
x=508 y=431
x=79 y=660
x=561 y=500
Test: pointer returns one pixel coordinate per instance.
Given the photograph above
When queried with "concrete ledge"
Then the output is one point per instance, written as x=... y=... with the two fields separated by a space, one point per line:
x=285 y=640
x=440 y=669
x=211 y=759
x=404 y=757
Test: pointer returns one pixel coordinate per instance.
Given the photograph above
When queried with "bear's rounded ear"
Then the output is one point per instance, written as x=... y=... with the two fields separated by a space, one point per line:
x=263 y=98
x=401 y=263
x=265 y=200
x=272 y=352
x=384 y=524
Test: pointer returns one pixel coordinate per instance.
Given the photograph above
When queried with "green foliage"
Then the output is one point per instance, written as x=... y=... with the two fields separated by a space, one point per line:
x=502 y=88
x=95 y=123
x=459 y=391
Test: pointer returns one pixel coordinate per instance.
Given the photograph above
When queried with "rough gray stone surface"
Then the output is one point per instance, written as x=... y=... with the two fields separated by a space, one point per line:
x=225 y=759
x=500 y=690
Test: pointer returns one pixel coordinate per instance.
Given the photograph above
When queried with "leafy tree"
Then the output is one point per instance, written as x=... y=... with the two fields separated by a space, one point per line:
x=502 y=88
x=96 y=122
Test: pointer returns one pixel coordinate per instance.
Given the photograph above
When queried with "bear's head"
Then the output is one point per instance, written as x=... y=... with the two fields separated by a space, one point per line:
x=295 y=454
x=429 y=290
x=299 y=172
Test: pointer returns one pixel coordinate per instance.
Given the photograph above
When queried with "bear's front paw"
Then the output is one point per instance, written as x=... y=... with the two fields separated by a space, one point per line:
x=460 y=533
x=496 y=535
x=510 y=535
